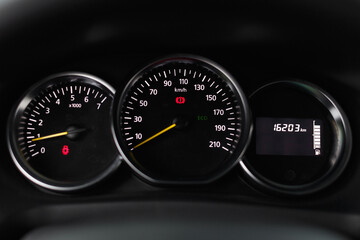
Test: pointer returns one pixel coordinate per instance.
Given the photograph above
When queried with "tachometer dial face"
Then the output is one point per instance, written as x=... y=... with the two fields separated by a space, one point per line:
x=182 y=120
x=59 y=134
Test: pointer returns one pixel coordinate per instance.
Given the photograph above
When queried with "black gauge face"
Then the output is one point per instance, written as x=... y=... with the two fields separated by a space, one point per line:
x=301 y=141
x=60 y=134
x=182 y=120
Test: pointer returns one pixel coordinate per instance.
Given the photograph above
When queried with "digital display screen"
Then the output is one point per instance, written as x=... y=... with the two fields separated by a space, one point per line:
x=288 y=136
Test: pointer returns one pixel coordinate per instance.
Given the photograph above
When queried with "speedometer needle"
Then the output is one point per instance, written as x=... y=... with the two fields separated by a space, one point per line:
x=57 y=135
x=155 y=135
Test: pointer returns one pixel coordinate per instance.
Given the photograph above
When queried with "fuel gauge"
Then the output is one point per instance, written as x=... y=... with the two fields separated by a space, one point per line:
x=302 y=139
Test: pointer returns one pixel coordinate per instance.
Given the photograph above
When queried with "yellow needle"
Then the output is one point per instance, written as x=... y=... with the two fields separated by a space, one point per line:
x=50 y=136
x=157 y=134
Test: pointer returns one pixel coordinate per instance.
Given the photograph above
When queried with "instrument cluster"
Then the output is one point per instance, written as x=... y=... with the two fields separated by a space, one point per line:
x=180 y=120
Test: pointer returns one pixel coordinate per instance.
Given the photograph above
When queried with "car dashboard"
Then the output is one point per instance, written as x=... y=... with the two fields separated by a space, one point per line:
x=289 y=67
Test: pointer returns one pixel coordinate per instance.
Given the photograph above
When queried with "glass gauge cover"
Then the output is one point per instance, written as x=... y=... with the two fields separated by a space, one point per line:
x=302 y=138
x=182 y=120
x=59 y=134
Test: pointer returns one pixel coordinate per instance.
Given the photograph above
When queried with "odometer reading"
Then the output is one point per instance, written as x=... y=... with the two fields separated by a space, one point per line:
x=182 y=120
x=288 y=136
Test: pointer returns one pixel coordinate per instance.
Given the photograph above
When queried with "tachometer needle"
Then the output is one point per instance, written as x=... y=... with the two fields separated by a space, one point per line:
x=155 y=135
x=50 y=136
x=58 y=134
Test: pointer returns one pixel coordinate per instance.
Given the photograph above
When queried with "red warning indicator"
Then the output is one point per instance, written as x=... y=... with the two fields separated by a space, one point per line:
x=65 y=150
x=180 y=100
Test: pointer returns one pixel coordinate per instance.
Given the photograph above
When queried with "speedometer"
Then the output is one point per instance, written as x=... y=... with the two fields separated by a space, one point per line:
x=182 y=120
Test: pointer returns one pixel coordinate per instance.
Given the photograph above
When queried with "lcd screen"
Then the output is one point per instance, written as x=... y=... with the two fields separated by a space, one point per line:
x=288 y=136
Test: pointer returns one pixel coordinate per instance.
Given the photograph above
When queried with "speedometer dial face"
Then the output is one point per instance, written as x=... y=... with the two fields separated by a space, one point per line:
x=59 y=134
x=182 y=120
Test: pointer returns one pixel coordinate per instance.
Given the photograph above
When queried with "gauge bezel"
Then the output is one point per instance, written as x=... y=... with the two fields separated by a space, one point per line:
x=187 y=58
x=16 y=113
x=338 y=157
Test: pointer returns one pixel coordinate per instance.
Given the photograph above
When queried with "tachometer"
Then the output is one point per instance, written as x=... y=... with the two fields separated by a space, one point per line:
x=59 y=134
x=182 y=120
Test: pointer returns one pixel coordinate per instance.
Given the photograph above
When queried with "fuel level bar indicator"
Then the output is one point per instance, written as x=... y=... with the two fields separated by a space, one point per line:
x=316 y=138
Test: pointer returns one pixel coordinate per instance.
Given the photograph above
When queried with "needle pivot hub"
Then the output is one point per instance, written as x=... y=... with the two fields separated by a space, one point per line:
x=181 y=122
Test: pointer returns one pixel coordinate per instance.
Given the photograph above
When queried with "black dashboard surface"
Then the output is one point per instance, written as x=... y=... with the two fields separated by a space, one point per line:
x=258 y=42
